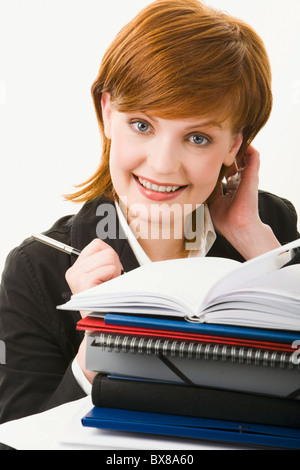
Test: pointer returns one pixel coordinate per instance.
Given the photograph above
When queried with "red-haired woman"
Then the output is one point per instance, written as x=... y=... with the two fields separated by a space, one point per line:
x=180 y=95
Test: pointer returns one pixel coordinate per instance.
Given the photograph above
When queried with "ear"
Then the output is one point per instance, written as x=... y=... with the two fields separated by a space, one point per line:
x=236 y=143
x=106 y=113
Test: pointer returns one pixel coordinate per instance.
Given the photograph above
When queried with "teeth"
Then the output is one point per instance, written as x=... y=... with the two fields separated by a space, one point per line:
x=155 y=187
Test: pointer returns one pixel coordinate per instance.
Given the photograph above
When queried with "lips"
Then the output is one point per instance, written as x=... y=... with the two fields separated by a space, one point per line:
x=156 y=190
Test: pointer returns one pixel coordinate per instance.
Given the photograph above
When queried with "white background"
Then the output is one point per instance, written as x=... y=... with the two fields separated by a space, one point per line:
x=50 y=52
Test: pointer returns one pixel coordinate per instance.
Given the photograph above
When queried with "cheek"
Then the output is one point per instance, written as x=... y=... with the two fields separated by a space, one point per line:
x=205 y=173
x=123 y=157
x=204 y=179
x=123 y=160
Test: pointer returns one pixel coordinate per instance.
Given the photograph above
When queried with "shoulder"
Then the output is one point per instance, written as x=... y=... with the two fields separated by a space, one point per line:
x=269 y=201
x=32 y=252
x=36 y=271
x=47 y=263
x=280 y=214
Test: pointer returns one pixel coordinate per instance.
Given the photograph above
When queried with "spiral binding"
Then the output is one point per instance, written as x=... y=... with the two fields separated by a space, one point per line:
x=194 y=350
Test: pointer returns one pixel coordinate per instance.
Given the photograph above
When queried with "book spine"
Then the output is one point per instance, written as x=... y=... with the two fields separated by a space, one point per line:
x=194 y=350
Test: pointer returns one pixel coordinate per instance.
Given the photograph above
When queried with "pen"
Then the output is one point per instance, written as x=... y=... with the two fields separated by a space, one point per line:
x=56 y=244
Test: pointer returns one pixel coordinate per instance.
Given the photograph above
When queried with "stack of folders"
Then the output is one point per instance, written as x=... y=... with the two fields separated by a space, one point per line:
x=199 y=348
x=194 y=380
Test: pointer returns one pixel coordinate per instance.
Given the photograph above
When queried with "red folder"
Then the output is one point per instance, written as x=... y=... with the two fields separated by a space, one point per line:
x=90 y=323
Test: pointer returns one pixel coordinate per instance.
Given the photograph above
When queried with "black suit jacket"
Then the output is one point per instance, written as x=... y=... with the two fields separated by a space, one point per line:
x=41 y=341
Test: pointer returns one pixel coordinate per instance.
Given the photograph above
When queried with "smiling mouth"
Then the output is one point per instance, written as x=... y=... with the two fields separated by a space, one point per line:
x=159 y=188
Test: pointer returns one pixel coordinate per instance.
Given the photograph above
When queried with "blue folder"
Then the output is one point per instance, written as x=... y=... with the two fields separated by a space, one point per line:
x=195 y=428
x=202 y=328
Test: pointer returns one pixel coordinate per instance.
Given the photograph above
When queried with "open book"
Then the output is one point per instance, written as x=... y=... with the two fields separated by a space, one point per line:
x=258 y=293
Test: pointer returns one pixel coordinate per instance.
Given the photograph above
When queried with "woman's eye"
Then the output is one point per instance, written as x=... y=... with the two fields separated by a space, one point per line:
x=199 y=140
x=140 y=126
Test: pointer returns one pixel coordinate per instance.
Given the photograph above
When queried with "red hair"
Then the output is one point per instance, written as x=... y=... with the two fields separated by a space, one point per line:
x=182 y=59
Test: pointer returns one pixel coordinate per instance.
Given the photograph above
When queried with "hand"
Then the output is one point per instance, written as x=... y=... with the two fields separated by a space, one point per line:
x=97 y=263
x=235 y=213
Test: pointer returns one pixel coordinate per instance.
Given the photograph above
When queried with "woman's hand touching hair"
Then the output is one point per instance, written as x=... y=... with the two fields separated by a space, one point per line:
x=235 y=212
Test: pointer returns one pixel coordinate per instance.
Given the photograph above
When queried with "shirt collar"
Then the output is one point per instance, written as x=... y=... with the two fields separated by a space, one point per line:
x=138 y=251
x=205 y=235
x=204 y=239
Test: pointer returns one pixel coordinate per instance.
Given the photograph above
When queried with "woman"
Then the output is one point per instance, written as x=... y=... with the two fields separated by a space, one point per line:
x=181 y=93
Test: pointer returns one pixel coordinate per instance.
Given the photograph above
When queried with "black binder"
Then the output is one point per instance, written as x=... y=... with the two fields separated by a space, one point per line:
x=194 y=401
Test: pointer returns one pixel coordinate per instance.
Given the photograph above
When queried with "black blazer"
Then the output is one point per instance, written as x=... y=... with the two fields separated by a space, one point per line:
x=41 y=341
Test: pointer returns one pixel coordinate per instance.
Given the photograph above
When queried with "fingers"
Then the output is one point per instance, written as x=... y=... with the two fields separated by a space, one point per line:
x=233 y=183
x=251 y=159
x=232 y=170
x=97 y=263
x=97 y=254
x=248 y=173
x=95 y=246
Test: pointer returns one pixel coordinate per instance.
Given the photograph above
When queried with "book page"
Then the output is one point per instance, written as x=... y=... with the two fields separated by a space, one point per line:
x=181 y=287
x=180 y=284
x=253 y=270
x=283 y=283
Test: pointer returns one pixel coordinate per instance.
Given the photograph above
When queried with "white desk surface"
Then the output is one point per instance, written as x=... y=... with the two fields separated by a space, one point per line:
x=60 y=429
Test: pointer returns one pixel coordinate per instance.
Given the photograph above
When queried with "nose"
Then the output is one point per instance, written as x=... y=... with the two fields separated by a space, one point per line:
x=163 y=156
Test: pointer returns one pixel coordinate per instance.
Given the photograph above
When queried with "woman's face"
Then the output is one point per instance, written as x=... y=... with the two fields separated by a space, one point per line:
x=155 y=161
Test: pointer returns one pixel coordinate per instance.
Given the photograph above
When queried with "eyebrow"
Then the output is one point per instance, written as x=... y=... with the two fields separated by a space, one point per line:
x=210 y=123
x=205 y=124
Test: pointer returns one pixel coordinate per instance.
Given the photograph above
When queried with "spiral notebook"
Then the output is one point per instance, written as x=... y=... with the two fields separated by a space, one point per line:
x=223 y=366
x=196 y=350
